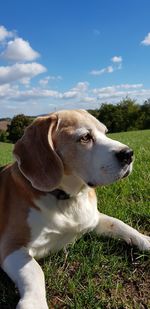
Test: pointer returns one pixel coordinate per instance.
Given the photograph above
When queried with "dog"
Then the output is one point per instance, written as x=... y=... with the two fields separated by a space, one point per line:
x=47 y=196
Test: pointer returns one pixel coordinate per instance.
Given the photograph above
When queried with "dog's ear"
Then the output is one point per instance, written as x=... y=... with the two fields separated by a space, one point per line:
x=36 y=157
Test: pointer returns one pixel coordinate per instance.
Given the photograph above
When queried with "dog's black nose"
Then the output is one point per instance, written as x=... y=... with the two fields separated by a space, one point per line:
x=125 y=155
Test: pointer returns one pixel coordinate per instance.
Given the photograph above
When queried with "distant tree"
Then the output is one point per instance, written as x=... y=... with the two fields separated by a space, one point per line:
x=3 y=136
x=144 y=117
x=123 y=116
x=129 y=110
x=94 y=112
x=107 y=115
x=16 y=128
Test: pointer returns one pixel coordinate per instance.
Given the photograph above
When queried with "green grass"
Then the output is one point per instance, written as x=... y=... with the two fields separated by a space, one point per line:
x=101 y=273
x=5 y=153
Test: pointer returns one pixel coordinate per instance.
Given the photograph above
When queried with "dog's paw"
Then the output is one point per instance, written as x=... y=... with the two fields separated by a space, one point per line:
x=142 y=242
x=147 y=242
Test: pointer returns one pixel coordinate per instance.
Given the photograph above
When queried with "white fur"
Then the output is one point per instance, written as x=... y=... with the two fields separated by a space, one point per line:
x=59 y=223
x=113 y=227
x=104 y=167
x=29 y=278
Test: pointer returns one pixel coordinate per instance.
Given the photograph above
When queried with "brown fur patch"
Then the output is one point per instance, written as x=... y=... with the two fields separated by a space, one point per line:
x=16 y=198
x=92 y=195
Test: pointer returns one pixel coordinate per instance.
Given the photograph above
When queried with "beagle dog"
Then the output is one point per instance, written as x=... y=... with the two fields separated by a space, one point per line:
x=47 y=196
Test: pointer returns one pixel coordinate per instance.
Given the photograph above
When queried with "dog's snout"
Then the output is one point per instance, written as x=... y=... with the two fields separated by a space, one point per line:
x=125 y=155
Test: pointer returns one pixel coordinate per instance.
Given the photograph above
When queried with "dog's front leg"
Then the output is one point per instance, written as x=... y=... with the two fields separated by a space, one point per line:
x=113 y=227
x=28 y=277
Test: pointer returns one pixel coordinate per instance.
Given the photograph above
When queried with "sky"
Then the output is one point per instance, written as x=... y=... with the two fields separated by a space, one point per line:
x=69 y=54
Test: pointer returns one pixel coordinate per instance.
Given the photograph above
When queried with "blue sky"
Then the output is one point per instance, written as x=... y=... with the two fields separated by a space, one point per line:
x=57 y=54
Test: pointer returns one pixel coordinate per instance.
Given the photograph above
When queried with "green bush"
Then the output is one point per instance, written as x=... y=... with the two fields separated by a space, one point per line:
x=3 y=136
x=127 y=115
x=16 y=128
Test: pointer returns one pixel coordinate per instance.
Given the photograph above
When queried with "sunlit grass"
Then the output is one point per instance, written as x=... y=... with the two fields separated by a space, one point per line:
x=5 y=153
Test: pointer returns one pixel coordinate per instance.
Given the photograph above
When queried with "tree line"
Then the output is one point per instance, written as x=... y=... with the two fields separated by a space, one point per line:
x=127 y=115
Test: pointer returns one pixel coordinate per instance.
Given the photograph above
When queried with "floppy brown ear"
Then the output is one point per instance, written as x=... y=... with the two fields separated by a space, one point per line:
x=36 y=157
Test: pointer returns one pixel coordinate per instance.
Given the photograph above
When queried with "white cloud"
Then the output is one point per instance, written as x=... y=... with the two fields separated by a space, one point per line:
x=53 y=77
x=20 y=71
x=4 y=33
x=108 y=69
x=79 y=91
x=36 y=100
x=129 y=86
x=89 y=95
x=117 y=65
x=146 y=40
x=81 y=87
x=19 y=50
x=88 y=100
x=118 y=92
x=116 y=59
x=114 y=89
x=12 y=92
x=8 y=91
x=43 y=82
x=4 y=90
x=70 y=94
x=37 y=93
x=25 y=81
x=98 y=91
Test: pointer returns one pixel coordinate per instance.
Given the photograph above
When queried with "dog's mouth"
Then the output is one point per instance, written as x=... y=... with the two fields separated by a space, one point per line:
x=91 y=185
x=126 y=174
x=127 y=171
x=112 y=176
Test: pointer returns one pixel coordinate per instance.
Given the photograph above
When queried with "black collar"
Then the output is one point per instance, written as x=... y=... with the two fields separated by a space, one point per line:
x=60 y=194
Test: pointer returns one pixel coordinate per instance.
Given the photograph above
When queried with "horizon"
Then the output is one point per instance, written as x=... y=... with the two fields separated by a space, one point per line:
x=71 y=55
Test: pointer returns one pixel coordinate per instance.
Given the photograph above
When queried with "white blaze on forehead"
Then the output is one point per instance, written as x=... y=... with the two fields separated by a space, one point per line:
x=81 y=131
x=100 y=126
x=80 y=119
x=96 y=130
x=103 y=127
x=94 y=123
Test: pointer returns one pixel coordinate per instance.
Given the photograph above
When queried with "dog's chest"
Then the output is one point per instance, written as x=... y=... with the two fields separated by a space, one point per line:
x=59 y=223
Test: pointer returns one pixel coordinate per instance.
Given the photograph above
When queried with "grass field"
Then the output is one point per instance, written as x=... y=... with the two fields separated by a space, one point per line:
x=101 y=273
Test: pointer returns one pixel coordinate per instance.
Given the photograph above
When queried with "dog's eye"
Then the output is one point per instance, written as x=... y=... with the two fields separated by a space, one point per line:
x=86 y=138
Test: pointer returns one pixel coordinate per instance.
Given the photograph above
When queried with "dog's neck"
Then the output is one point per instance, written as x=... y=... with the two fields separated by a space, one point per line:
x=72 y=185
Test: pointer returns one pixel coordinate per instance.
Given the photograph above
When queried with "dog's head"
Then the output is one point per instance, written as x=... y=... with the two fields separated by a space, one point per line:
x=71 y=143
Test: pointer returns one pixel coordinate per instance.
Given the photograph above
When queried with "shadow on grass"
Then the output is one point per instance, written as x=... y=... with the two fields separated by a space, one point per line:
x=9 y=295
